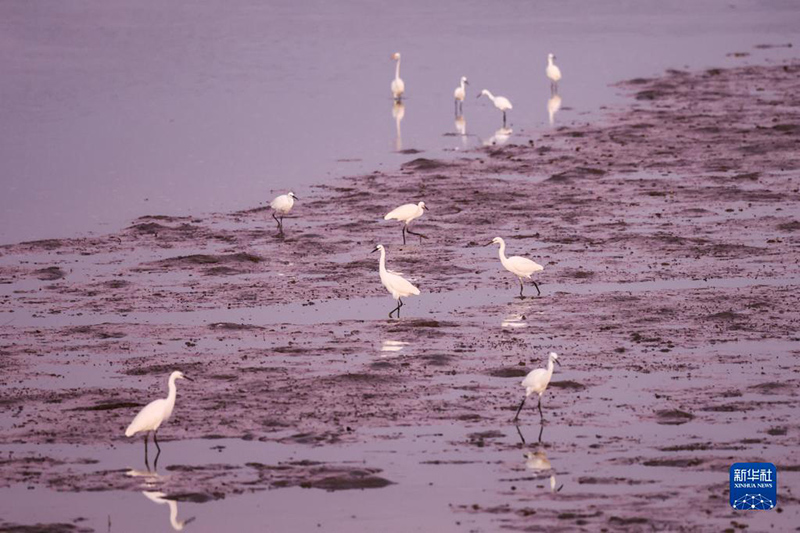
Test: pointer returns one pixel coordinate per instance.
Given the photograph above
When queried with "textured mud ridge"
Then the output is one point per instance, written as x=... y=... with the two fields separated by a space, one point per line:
x=669 y=236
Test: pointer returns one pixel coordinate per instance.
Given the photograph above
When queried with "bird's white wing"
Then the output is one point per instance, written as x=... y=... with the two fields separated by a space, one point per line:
x=280 y=203
x=523 y=264
x=402 y=212
x=147 y=417
x=400 y=285
x=535 y=379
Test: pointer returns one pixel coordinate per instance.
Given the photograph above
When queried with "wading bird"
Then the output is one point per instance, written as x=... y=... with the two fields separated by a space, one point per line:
x=281 y=206
x=397 y=286
x=460 y=93
x=553 y=72
x=500 y=102
x=537 y=381
x=398 y=87
x=405 y=214
x=154 y=414
x=519 y=266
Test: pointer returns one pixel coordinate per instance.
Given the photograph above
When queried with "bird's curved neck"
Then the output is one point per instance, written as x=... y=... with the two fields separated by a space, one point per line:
x=173 y=391
x=490 y=96
x=550 y=367
x=463 y=87
x=502 y=252
x=397 y=70
x=383 y=262
x=550 y=61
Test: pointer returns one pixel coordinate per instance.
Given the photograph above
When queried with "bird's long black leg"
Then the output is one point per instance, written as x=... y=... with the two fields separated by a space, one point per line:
x=155 y=439
x=404 y=234
x=456 y=101
x=420 y=235
x=504 y=119
x=396 y=309
x=537 y=288
x=276 y=220
x=540 y=409
x=519 y=432
x=541 y=430
x=516 y=416
x=520 y=288
x=146 y=462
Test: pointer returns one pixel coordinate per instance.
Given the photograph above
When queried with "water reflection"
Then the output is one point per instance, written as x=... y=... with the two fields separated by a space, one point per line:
x=553 y=105
x=539 y=464
x=398 y=112
x=158 y=497
x=514 y=321
x=393 y=346
x=500 y=137
x=461 y=129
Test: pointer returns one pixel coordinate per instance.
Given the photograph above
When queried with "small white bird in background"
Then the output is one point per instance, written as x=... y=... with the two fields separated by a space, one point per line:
x=405 y=214
x=553 y=105
x=281 y=207
x=553 y=72
x=500 y=102
x=460 y=93
x=154 y=414
x=519 y=266
x=536 y=382
x=398 y=87
x=397 y=286
x=160 y=498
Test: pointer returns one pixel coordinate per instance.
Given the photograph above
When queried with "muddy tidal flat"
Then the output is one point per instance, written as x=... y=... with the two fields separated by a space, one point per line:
x=669 y=234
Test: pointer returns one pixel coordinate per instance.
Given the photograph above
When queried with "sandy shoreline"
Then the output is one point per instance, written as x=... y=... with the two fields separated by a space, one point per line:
x=668 y=233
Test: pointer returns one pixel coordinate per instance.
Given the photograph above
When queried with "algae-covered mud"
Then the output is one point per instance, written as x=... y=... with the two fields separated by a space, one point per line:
x=668 y=232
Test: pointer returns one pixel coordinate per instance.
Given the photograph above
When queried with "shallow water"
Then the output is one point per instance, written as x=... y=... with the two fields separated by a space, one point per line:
x=114 y=110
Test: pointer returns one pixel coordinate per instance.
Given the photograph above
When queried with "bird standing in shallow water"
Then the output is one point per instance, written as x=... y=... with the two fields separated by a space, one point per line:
x=397 y=286
x=405 y=214
x=536 y=382
x=553 y=72
x=500 y=102
x=281 y=205
x=154 y=414
x=519 y=266
x=398 y=87
x=460 y=93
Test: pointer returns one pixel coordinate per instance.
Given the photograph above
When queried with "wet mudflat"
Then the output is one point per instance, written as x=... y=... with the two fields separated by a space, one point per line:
x=668 y=233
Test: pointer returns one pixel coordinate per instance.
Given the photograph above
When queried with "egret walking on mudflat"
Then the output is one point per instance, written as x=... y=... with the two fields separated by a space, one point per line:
x=553 y=72
x=397 y=286
x=537 y=381
x=282 y=205
x=405 y=214
x=519 y=266
x=154 y=414
x=460 y=93
x=398 y=87
x=500 y=102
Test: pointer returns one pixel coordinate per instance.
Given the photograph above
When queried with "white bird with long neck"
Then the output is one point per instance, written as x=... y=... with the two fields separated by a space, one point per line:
x=160 y=498
x=553 y=72
x=521 y=267
x=537 y=381
x=396 y=284
x=155 y=413
x=398 y=87
x=281 y=206
x=405 y=214
x=460 y=93
x=500 y=102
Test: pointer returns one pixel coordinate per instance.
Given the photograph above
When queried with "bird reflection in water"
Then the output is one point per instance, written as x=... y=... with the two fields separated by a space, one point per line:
x=501 y=136
x=159 y=497
x=461 y=129
x=398 y=112
x=514 y=321
x=538 y=463
x=553 y=105
x=393 y=346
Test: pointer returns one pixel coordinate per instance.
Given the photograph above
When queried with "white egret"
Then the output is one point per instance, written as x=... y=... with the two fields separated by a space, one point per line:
x=405 y=214
x=159 y=498
x=398 y=87
x=553 y=72
x=397 y=286
x=500 y=102
x=154 y=414
x=519 y=266
x=460 y=93
x=281 y=206
x=553 y=105
x=537 y=381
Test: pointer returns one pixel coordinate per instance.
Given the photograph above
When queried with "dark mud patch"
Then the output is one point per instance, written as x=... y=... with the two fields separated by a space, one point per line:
x=508 y=372
x=674 y=463
x=567 y=385
x=773 y=387
x=425 y=165
x=223 y=263
x=50 y=273
x=673 y=417
x=109 y=406
x=59 y=527
x=312 y=475
x=232 y=326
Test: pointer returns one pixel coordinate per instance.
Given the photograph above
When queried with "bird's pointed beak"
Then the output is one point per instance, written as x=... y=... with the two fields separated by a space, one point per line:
x=557 y=362
x=488 y=243
x=295 y=197
x=375 y=250
x=478 y=96
x=425 y=207
x=187 y=378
